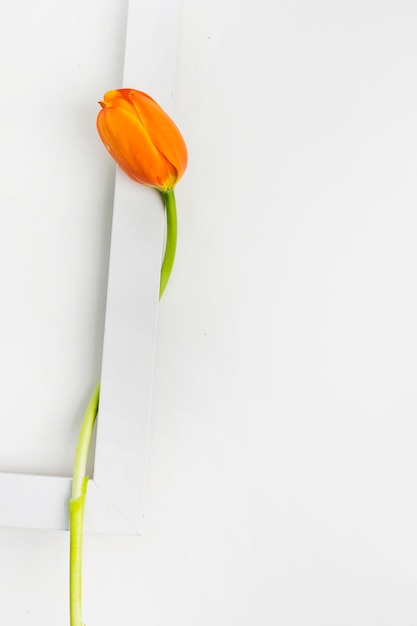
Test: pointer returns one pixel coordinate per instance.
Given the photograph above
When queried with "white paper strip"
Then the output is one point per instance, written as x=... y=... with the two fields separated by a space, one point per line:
x=115 y=494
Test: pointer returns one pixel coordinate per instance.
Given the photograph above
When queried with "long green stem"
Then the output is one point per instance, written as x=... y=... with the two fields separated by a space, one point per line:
x=76 y=506
x=80 y=480
x=171 y=239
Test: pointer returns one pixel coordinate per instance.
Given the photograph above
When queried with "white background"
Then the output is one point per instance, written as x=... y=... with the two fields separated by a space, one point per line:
x=281 y=485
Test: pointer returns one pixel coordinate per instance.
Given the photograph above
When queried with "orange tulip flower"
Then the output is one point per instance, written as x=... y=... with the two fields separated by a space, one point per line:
x=148 y=146
x=142 y=139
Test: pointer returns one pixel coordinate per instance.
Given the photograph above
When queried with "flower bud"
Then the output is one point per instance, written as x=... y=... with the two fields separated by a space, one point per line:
x=141 y=138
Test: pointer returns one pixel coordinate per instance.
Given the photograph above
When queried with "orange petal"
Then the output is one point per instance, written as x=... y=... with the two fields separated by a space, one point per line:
x=131 y=147
x=118 y=98
x=161 y=130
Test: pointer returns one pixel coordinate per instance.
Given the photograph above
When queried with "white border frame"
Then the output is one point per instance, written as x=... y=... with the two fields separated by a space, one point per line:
x=115 y=493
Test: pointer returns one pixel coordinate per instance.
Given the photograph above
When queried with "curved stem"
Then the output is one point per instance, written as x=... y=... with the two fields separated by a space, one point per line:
x=83 y=444
x=76 y=506
x=76 y=551
x=171 y=239
x=80 y=480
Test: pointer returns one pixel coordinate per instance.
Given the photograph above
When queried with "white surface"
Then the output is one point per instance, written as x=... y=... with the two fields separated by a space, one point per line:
x=281 y=485
x=116 y=492
x=56 y=198
x=133 y=288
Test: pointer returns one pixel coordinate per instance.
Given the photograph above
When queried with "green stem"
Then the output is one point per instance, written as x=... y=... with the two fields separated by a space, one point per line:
x=76 y=552
x=83 y=445
x=171 y=239
x=79 y=488
x=80 y=480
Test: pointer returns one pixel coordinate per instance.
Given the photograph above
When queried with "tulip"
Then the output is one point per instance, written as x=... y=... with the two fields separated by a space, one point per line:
x=142 y=139
x=148 y=146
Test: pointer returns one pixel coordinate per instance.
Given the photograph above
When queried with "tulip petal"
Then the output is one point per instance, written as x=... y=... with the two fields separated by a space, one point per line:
x=132 y=148
x=161 y=130
x=142 y=138
x=117 y=99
